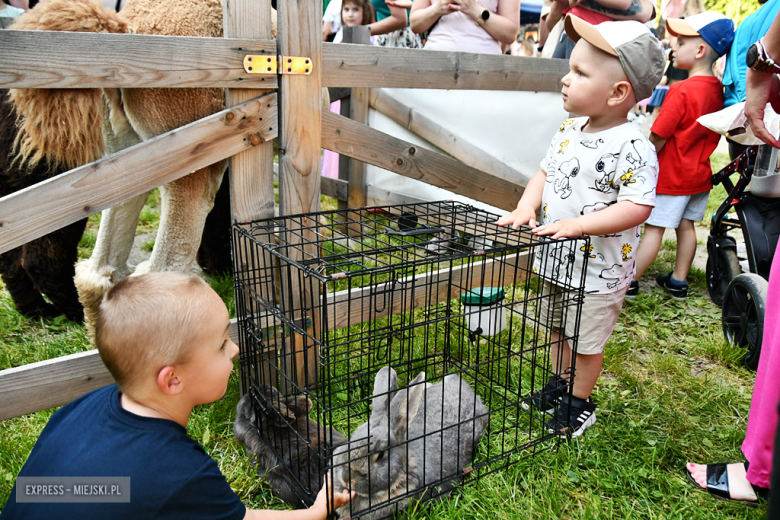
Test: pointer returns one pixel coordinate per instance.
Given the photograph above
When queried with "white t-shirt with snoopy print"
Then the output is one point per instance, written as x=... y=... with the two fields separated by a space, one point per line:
x=586 y=173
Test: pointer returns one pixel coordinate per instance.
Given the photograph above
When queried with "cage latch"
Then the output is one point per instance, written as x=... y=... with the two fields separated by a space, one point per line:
x=290 y=65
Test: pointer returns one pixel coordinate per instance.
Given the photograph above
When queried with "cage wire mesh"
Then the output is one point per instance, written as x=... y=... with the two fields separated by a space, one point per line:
x=346 y=309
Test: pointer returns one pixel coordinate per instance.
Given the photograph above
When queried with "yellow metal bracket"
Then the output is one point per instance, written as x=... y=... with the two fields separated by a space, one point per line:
x=259 y=64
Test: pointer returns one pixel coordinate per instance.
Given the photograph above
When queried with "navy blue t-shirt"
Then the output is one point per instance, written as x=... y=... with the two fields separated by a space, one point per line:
x=171 y=476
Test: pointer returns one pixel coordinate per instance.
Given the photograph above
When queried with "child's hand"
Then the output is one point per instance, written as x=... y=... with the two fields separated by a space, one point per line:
x=339 y=499
x=566 y=228
x=520 y=216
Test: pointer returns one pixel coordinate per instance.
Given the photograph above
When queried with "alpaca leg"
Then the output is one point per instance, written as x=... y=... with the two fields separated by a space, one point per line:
x=185 y=204
x=27 y=299
x=50 y=261
x=108 y=263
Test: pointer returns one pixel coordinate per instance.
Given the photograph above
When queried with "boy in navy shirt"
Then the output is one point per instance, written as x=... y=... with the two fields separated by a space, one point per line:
x=164 y=338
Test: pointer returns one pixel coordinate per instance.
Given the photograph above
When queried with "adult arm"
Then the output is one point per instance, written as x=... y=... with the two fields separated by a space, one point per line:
x=395 y=22
x=762 y=88
x=614 y=219
x=501 y=26
x=405 y=4
x=639 y=10
x=556 y=13
x=21 y=4
x=327 y=28
x=525 y=213
x=426 y=12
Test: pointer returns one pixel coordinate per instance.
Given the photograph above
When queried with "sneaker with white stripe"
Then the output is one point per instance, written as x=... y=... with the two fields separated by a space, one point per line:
x=574 y=416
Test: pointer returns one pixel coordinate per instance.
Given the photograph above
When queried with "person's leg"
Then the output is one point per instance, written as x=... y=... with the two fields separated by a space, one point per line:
x=686 y=249
x=648 y=248
x=560 y=354
x=759 y=444
x=588 y=367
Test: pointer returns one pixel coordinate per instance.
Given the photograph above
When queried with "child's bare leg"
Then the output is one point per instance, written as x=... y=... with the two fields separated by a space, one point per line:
x=560 y=354
x=588 y=369
x=648 y=249
x=686 y=249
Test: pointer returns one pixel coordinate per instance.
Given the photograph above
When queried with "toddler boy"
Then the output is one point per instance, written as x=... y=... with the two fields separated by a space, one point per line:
x=164 y=338
x=684 y=146
x=597 y=179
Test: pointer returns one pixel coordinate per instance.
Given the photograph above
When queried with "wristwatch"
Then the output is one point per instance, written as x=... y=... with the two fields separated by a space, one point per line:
x=483 y=17
x=758 y=59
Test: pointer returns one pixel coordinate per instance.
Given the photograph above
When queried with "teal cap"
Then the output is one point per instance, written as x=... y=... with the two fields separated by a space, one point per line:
x=483 y=296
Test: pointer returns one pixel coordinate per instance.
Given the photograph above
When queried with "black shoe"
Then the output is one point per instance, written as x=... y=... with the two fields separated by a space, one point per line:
x=633 y=289
x=678 y=292
x=573 y=417
x=548 y=397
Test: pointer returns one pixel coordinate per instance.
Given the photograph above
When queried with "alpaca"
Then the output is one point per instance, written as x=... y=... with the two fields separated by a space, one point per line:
x=126 y=117
x=45 y=265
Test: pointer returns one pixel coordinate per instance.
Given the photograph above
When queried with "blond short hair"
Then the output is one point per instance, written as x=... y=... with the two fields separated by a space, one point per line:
x=148 y=322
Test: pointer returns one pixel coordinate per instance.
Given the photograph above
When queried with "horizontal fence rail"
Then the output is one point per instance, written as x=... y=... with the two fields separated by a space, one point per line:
x=344 y=136
x=40 y=209
x=51 y=59
x=361 y=66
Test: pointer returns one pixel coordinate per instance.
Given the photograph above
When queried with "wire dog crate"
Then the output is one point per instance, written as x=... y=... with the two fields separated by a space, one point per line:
x=348 y=308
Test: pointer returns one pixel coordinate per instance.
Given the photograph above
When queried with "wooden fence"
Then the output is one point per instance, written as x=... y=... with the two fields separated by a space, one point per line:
x=287 y=107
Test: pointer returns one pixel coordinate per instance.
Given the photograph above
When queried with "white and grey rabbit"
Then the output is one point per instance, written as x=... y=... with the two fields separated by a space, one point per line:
x=442 y=423
x=288 y=432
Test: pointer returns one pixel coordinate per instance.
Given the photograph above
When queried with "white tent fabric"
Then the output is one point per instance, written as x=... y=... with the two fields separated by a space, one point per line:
x=514 y=127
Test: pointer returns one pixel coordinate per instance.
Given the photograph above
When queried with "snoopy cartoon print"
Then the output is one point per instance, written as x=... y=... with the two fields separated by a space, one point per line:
x=611 y=276
x=563 y=258
x=563 y=145
x=634 y=157
x=566 y=171
x=607 y=165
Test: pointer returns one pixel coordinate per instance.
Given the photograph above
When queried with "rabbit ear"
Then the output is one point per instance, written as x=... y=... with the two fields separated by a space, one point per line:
x=385 y=387
x=287 y=415
x=405 y=406
x=300 y=405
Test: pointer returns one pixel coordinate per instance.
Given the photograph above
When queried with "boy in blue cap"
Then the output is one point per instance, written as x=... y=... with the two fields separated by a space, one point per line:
x=684 y=146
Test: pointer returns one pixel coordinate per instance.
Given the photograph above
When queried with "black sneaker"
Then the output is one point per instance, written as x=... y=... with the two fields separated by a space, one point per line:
x=678 y=292
x=633 y=289
x=548 y=397
x=581 y=413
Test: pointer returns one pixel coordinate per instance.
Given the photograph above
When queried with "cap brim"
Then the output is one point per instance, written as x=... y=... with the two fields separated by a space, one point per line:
x=578 y=28
x=679 y=27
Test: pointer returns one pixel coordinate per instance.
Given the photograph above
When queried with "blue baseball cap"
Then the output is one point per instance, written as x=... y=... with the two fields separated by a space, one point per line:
x=715 y=28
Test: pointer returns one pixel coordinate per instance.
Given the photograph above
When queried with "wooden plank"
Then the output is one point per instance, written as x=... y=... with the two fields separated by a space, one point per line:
x=430 y=130
x=428 y=289
x=358 y=112
x=300 y=112
x=51 y=59
x=384 y=151
x=66 y=198
x=252 y=170
x=55 y=382
x=357 y=66
x=335 y=188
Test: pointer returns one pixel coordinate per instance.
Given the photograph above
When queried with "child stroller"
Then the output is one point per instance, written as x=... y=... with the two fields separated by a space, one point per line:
x=742 y=296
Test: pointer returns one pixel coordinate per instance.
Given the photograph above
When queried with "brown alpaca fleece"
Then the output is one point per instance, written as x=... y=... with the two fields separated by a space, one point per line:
x=74 y=137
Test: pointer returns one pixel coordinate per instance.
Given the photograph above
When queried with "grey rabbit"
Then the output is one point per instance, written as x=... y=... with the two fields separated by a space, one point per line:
x=288 y=433
x=383 y=465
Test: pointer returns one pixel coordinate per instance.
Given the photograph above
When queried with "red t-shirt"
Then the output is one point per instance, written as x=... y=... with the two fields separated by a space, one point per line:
x=684 y=161
x=589 y=16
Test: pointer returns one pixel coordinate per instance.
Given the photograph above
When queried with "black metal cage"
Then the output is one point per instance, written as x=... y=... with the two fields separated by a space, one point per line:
x=339 y=313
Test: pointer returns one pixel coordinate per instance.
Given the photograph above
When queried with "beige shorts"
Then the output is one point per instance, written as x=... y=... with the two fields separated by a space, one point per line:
x=597 y=321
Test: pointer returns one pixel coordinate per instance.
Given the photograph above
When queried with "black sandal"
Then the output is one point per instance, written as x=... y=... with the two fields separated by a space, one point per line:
x=718 y=484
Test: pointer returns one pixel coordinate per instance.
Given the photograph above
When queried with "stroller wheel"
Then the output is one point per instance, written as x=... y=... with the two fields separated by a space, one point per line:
x=718 y=279
x=743 y=314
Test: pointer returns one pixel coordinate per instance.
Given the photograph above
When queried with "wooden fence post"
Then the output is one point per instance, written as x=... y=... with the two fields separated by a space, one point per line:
x=251 y=171
x=356 y=108
x=300 y=131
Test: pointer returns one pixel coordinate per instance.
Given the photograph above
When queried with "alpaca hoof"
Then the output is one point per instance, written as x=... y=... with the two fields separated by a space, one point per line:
x=43 y=311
